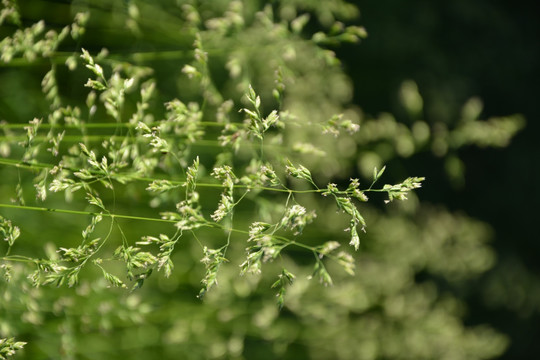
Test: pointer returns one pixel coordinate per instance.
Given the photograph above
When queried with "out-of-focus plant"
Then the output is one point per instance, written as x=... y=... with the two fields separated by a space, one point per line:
x=384 y=138
x=239 y=189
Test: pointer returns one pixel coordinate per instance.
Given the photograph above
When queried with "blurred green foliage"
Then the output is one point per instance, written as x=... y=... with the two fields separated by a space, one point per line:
x=402 y=303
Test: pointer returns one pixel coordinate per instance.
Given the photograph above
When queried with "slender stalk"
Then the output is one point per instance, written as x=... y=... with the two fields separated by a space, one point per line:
x=102 y=125
x=79 y=212
x=39 y=166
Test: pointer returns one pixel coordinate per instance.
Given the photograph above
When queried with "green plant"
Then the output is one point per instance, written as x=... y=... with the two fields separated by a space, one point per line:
x=9 y=346
x=246 y=171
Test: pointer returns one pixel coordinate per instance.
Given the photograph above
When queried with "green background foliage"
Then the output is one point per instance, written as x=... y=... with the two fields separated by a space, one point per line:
x=438 y=91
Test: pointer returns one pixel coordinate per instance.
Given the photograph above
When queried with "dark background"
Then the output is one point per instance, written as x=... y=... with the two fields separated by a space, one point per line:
x=455 y=50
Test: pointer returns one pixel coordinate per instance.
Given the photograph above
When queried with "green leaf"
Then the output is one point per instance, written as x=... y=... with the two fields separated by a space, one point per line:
x=378 y=174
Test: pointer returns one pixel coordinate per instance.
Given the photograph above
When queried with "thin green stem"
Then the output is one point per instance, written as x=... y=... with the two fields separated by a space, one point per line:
x=99 y=138
x=18 y=258
x=39 y=166
x=97 y=125
x=196 y=238
x=79 y=212
x=79 y=266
